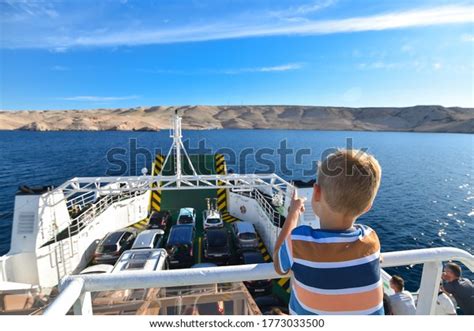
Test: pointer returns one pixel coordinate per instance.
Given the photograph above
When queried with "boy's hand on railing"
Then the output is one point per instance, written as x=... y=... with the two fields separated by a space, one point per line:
x=297 y=204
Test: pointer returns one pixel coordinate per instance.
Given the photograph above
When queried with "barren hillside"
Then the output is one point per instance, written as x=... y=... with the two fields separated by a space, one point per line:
x=418 y=118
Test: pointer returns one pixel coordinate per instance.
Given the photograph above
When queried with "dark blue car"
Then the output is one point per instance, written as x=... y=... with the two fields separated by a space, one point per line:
x=180 y=246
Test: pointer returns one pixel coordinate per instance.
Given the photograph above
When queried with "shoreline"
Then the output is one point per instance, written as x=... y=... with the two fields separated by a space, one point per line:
x=433 y=119
x=240 y=129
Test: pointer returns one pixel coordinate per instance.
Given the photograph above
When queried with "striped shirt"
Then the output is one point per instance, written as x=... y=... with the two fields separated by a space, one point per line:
x=334 y=272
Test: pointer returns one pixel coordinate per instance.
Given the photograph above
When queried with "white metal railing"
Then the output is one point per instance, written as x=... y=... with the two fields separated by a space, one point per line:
x=113 y=185
x=267 y=208
x=81 y=200
x=81 y=221
x=3 y=271
x=97 y=208
x=75 y=290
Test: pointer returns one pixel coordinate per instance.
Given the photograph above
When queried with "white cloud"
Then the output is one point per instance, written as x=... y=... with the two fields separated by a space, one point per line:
x=380 y=65
x=93 y=98
x=236 y=71
x=278 y=68
x=58 y=50
x=256 y=26
x=413 y=18
x=297 y=13
x=59 y=68
x=285 y=67
x=22 y=10
x=417 y=65
x=311 y=7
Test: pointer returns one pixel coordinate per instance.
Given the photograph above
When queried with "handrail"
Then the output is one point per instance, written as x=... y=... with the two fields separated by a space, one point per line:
x=96 y=209
x=431 y=257
x=87 y=217
x=265 y=205
x=424 y=255
x=67 y=298
x=3 y=271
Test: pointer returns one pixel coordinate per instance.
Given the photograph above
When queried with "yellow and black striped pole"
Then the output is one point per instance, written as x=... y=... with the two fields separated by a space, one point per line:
x=221 y=169
x=155 y=199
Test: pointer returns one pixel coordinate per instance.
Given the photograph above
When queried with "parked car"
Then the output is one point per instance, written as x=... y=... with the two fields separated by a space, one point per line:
x=149 y=239
x=114 y=243
x=187 y=216
x=97 y=269
x=217 y=245
x=204 y=265
x=245 y=235
x=256 y=287
x=212 y=219
x=141 y=259
x=180 y=246
x=159 y=220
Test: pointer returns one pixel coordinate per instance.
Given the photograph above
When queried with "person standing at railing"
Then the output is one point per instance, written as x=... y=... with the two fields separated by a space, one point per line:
x=402 y=301
x=335 y=269
x=460 y=288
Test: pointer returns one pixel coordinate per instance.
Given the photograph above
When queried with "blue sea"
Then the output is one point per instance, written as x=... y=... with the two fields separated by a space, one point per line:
x=426 y=198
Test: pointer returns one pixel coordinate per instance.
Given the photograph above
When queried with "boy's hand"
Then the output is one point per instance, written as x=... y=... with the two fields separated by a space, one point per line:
x=297 y=204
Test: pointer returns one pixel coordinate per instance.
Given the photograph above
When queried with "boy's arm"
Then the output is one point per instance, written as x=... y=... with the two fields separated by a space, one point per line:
x=296 y=207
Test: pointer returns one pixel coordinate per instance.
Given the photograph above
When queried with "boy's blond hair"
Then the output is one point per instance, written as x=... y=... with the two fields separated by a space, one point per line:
x=349 y=181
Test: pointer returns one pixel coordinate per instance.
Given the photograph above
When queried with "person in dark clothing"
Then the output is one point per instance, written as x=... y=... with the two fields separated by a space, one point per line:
x=460 y=288
x=387 y=307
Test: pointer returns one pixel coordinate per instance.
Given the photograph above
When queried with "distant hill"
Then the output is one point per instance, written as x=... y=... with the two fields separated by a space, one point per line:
x=417 y=118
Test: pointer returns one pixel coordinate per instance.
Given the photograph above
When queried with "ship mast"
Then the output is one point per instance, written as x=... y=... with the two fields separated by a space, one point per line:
x=177 y=142
x=177 y=147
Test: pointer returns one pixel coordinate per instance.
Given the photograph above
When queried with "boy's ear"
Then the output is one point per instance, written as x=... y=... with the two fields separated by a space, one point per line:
x=368 y=208
x=316 y=192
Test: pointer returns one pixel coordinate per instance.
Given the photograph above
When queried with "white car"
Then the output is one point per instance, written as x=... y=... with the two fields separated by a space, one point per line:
x=212 y=219
x=97 y=269
x=187 y=216
x=141 y=259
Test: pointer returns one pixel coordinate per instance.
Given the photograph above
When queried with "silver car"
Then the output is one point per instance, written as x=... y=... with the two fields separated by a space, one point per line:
x=245 y=235
x=149 y=239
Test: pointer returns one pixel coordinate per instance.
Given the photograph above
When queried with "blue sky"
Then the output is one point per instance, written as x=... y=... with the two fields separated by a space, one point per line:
x=90 y=54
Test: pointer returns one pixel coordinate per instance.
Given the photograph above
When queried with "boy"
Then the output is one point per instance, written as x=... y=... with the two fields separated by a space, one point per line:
x=335 y=269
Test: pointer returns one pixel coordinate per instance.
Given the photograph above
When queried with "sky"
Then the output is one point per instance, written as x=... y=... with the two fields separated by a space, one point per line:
x=117 y=54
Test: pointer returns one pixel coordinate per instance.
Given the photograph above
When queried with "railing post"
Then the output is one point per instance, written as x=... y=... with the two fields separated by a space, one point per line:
x=83 y=305
x=70 y=292
x=429 y=288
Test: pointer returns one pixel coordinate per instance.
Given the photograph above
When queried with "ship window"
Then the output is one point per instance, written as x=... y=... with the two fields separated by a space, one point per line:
x=26 y=223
